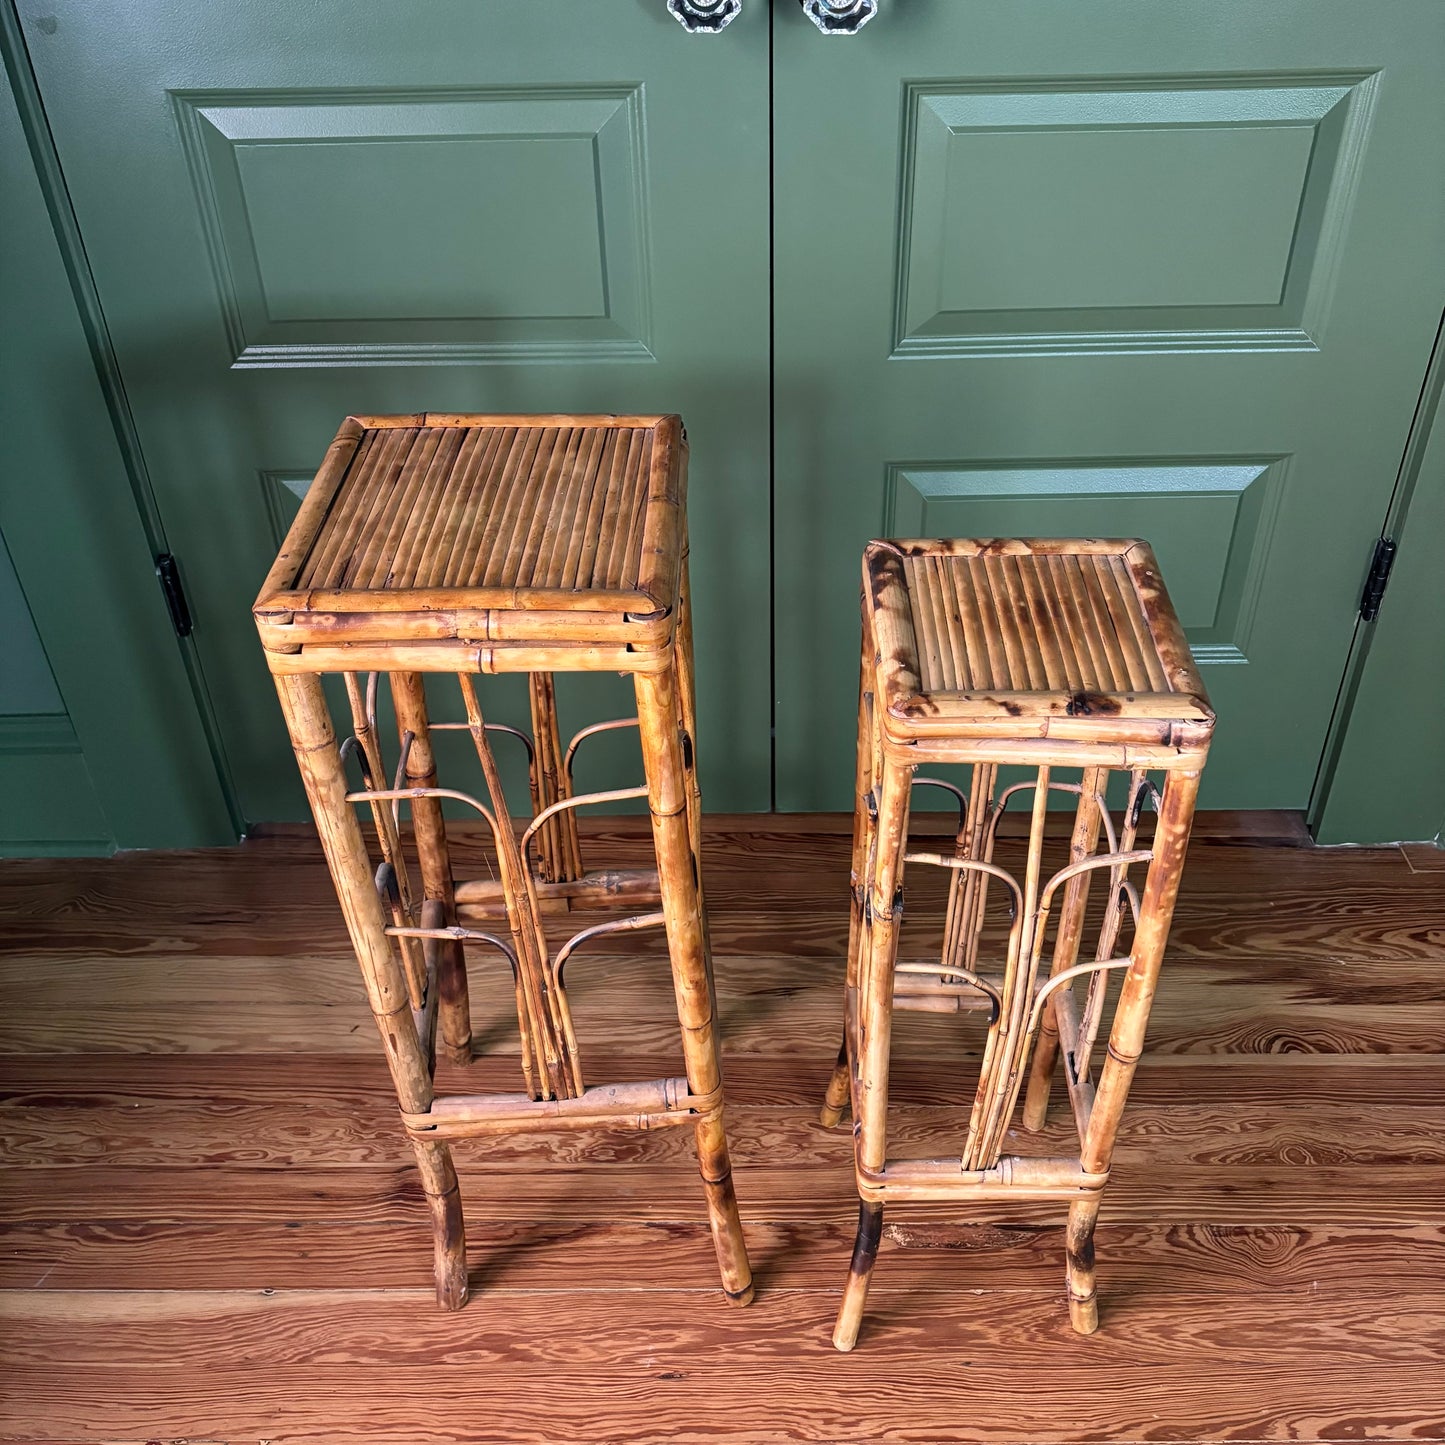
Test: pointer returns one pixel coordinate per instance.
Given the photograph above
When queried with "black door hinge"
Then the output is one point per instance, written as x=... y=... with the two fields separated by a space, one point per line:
x=170 y=575
x=1380 y=565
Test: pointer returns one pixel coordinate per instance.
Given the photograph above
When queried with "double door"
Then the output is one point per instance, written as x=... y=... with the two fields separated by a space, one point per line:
x=1101 y=269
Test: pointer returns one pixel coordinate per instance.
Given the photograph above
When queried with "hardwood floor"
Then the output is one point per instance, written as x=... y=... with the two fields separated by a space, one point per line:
x=211 y=1230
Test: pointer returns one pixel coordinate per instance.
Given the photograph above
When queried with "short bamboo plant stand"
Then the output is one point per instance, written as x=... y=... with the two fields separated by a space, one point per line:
x=469 y=545
x=1064 y=657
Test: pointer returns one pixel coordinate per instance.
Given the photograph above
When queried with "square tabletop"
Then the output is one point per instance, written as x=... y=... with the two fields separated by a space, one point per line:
x=485 y=528
x=1033 y=637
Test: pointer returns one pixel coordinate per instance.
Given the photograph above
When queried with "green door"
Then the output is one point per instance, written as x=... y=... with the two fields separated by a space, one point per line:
x=1107 y=269
x=293 y=212
x=1110 y=269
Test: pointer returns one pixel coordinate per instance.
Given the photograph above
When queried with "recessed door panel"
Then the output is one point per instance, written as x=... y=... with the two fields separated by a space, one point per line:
x=331 y=241
x=1127 y=214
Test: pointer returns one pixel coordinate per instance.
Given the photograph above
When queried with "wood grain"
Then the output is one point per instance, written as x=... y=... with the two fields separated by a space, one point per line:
x=943 y=1256
x=600 y=1191
x=132 y=1129
x=186 y=1253
x=689 y=1369
x=769 y=1004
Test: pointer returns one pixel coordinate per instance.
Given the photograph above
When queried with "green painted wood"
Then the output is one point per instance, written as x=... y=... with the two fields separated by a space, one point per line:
x=51 y=808
x=1046 y=278
x=296 y=212
x=1387 y=782
x=27 y=684
x=139 y=771
x=1079 y=273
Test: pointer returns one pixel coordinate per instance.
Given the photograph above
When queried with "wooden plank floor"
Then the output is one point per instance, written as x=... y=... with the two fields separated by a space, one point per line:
x=211 y=1231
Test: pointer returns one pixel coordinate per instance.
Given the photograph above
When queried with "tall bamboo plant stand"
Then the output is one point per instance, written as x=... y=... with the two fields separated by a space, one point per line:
x=1064 y=657
x=469 y=545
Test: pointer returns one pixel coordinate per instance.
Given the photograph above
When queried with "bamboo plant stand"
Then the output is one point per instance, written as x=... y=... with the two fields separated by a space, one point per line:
x=1064 y=657
x=471 y=545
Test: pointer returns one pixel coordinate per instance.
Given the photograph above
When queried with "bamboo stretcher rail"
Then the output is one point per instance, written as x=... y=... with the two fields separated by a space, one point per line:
x=478 y=545
x=1047 y=654
x=660 y=1103
x=1012 y=1177
x=461 y=657
x=369 y=422
x=917 y=985
x=405 y=601
x=480 y=899
x=340 y=629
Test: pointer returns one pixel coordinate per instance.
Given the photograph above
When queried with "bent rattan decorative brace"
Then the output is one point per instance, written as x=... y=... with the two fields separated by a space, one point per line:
x=1053 y=655
x=470 y=545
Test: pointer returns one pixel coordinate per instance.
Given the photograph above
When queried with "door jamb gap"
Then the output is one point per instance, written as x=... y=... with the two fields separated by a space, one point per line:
x=1427 y=407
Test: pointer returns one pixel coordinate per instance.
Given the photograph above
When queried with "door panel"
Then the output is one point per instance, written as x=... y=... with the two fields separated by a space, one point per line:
x=1112 y=270
x=296 y=212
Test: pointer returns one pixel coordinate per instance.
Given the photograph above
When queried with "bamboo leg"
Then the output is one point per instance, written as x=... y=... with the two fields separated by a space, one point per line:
x=687 y=697
x=687 y=703
x=1131 y=1014
x=837 y=1099
x=1066 y=945
x=403 y=911
x=304 y=705
x=1126 y=1039
x=1114 y=913
x=444 y=1201
x=855 y=1292
x=1079 y=1246
x=711 y=1135
x=659 y=711
x=875 y=1026
x=885 y=910
x=454 y=1023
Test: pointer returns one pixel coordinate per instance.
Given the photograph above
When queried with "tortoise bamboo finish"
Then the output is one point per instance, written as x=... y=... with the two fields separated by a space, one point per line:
x=473 y=545
x=1065 y=657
